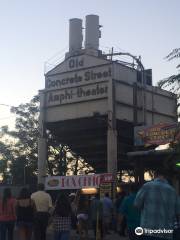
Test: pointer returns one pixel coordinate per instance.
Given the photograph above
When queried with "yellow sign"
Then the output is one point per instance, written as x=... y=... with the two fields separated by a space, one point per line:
x=158 y=134
x=105 y=188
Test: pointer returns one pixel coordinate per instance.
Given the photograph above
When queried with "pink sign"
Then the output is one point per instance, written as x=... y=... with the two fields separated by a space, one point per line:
x=76 y=182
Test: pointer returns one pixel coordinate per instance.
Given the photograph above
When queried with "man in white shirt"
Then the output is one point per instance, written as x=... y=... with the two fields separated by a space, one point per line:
x=43 y=204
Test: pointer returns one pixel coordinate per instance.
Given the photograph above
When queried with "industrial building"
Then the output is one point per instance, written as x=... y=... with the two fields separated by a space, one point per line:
x=92 y=101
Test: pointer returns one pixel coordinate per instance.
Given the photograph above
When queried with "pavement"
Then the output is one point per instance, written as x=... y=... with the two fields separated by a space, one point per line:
x=74 y=236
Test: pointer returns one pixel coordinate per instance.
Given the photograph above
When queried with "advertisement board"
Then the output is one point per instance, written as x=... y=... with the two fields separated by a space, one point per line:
x=158 y=134
x=77 y=94
x=105 y=188
x=77 y=181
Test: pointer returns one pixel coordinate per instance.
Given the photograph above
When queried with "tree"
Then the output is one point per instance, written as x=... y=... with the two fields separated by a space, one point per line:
x=20 y=156
x=172 y=82
x=5 y=158
x=23 y=148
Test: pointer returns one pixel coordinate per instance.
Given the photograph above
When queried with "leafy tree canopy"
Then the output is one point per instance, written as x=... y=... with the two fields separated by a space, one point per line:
x=19 y=153
x=172 y=82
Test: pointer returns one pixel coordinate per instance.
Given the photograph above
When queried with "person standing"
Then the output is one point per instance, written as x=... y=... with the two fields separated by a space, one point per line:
x=107 y=212
x=7 y=215
x=74 y=210
x=43 y=203
x=130 y=212
x=120 y=227
x=25 y=210
x=97 y=216
x=82 y=216
x=62 y=218
x=159 y=206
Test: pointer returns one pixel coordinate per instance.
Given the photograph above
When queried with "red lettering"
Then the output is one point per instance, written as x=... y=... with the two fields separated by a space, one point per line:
x=89 y=181
x=94 y=180
x=84 y=182
x=73 y=182
x=79 y=181
x=97 y=180
x=67 y=182
x=62 y=183
x=101 y=178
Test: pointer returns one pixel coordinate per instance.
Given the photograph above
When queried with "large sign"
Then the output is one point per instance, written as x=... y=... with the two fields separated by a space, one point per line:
x=77 y=182
x=74 y=63
x=77 y=94
x=78 y=78
x=77 y=85
x=158 y=134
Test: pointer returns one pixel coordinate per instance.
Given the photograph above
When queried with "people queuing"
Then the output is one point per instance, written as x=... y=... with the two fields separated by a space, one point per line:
x=62 y=218
x=128 y=211
x=82 y=216
x=97 y=216
x=25 y=211
x=120 y=227
x=73 y=210
x=7 y=215
x=107 y=212
x=43 y=203
x=154 y=206
x=159 y=205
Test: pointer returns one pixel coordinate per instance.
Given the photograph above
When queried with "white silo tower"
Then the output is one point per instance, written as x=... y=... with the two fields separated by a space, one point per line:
x=92 y=32
x=75 y=34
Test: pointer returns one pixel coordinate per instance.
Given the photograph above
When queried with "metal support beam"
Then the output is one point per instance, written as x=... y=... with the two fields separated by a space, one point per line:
x=42 y=141
x=111 y=132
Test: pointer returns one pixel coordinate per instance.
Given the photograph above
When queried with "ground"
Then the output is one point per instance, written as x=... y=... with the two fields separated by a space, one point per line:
x=74 y=236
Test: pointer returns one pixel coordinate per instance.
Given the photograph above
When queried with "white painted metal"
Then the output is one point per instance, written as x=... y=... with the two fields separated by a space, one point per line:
x=75 y=34
x=92 y=32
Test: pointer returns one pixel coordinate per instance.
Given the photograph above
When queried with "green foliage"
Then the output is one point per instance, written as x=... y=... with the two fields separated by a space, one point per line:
x=173 y=158
x=172 y=82
x=5 y=158
x=23 y=147
x=19 y=154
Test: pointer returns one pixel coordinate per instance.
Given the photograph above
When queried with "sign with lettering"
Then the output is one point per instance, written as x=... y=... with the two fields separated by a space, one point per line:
x=158 y=134
x=105 y=188
x=74 y=63
x=78 y=78
x=77 y=94
x=76 y=182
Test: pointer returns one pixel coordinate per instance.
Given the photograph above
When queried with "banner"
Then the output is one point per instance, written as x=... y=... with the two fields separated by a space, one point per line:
x=76 y=181
x=158 y=134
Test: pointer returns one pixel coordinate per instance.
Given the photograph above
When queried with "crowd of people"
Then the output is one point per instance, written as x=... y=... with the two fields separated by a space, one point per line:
x=155 y=206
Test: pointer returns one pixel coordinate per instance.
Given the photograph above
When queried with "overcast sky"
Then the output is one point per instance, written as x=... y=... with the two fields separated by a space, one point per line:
x=34 y=31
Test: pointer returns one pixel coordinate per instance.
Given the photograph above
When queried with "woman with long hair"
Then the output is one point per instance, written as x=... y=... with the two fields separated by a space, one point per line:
x=25 y=209
x=7 y=215
x=62 y=218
